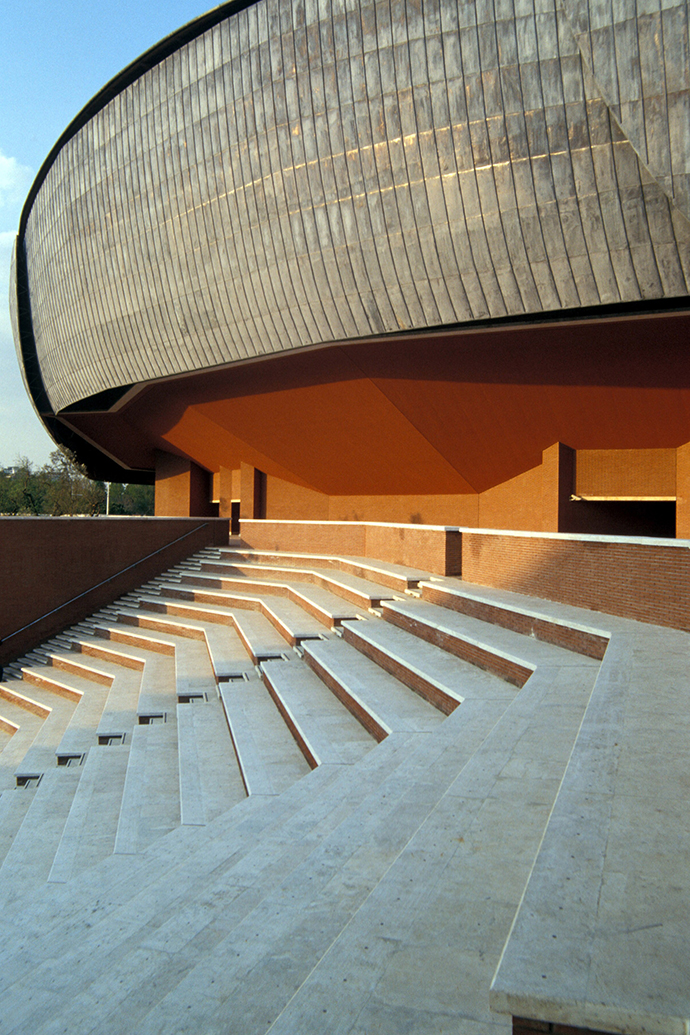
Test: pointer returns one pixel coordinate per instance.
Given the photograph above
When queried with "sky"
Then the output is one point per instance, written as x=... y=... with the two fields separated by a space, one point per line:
x=54 y=56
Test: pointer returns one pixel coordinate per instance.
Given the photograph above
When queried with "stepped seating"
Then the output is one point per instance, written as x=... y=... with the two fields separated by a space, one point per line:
x=269 y=820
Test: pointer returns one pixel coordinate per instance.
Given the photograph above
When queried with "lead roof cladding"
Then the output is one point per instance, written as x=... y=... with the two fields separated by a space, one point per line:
x=297 y=174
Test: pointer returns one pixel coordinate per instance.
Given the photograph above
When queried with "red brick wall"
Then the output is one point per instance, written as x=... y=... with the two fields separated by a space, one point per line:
x=648 y=582
x=431 y=549
x=46 y=561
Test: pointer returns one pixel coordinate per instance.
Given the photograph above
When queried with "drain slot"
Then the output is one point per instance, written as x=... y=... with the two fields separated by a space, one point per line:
x=153 y=719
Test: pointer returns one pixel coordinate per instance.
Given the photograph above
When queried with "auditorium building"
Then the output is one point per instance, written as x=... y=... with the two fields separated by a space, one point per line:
x=420 y=263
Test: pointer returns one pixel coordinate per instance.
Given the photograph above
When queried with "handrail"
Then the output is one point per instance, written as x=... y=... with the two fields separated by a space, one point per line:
x=104 y=582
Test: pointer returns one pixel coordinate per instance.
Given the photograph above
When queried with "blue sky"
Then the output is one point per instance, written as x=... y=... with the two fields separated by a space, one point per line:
x=54 y=57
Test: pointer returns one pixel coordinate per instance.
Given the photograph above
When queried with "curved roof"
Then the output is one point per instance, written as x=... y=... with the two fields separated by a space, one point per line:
x=272 y=177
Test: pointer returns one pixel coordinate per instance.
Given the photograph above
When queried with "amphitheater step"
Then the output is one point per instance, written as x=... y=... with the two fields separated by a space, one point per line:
x=325 y=731
x=27 y=727
x=210 y=779
x=374 y=697
x=552 y=623
x=14 y=804
x=441 y=680
x=33 y=848
x=324 y=606
x=228 y=653
x=151 y=797
x=268 y=756
x=362 y=592
x=392 y=576
x=89 y=832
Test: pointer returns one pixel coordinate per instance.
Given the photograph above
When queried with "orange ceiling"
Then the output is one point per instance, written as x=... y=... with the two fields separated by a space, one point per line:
x=451 y=413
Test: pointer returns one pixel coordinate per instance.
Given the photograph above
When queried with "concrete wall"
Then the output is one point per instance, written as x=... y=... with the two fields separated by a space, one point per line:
x=48 y=561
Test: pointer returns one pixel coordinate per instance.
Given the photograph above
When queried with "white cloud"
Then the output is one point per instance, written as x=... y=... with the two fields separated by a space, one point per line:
x=15 y=180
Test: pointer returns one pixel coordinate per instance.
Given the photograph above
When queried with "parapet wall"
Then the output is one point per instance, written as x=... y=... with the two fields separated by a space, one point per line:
x=55 y=571
x=432 y=548
x=640 y=578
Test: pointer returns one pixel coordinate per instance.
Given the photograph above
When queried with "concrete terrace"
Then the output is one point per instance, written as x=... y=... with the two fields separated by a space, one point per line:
x=315 y=794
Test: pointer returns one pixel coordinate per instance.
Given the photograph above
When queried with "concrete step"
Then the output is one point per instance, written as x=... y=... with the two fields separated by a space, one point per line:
x=375 y=698
x=89 y=832
x=443 y=680
x=210 y=777
x=269 y=758
x=324 y=729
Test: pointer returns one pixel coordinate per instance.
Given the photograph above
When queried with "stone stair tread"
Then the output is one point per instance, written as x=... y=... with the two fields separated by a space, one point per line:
x=89 y=832
x=228 y=653
x=39 y=755
x=295 y=623
x=334 y=577
x=262 y=864
x=299 y=918
x=456 y=677
x=14 y=803
x=403 y=575
x=31 y=854
x=331 y=607
x=330 y=732
x=120 y=708
x=210 y=779
x=395 y=706
x=605 y=898
x=504 y=642
x=269 y=758
x=150 y=804
x=16 y=748
x=592 y=625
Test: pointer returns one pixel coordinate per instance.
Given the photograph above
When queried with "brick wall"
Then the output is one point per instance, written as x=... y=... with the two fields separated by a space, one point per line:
x=649 y=581
x=47 y=561
x=427 y=547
